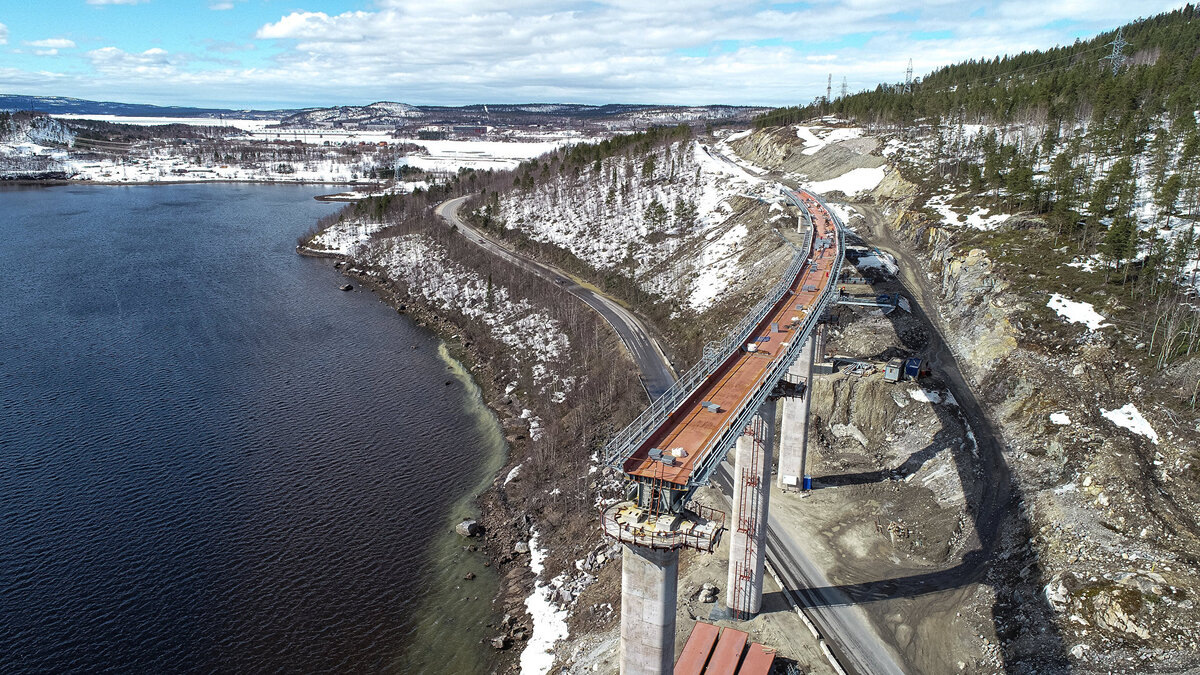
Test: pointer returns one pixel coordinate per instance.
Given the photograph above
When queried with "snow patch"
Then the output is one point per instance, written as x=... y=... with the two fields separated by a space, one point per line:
x=549 y=621
x=878 y=260
x=1087 y=263
x=718 y=266
x=516 y=471
x=1129 y=417
x=1076 y=312
x=343 y=238
x=1060 y=418
x=925 y=396
x=528 y=329
x=816 y=138
x=852 y=182
x=975 y=220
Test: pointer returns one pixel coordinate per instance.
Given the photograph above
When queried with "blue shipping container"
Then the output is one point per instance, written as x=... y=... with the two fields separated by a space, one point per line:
x=912 y=368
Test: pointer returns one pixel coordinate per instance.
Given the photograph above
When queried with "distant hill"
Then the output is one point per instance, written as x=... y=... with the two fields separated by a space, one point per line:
x=388 y=113
x=59 y=105
x=379 y=113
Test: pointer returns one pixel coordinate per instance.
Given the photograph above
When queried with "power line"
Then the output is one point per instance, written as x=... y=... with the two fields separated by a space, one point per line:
x=1025 y=69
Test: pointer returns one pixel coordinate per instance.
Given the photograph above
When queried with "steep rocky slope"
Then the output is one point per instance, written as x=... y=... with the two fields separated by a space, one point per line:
x=1102 y=446
x=675 y=229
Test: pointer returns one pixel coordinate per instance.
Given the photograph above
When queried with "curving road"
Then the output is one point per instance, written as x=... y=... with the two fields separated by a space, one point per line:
x=656 y=372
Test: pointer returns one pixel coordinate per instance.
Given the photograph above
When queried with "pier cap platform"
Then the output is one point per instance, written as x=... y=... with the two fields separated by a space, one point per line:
x=697 y=526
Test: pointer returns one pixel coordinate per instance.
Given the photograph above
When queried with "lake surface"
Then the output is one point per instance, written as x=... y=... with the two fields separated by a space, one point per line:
x=213 y=460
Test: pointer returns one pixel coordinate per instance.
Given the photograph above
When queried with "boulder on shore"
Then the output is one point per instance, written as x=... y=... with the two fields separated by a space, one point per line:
x=468 y=528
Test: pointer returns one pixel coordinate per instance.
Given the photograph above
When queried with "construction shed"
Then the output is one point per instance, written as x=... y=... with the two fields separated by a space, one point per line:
x=894 y=370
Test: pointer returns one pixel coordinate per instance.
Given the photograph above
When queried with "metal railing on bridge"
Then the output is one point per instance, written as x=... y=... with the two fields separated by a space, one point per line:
x=624 y=444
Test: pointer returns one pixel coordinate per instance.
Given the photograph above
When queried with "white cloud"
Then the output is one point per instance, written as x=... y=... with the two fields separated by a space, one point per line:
x=665 y=51
x=154 y=62
x=631 y=50
x=3 y=34
x=219 y=6
x=53 y=43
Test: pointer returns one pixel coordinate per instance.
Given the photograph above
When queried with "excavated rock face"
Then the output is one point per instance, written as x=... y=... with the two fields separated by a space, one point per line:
x=782 y=150
x=977 y=305
x=1104 y=542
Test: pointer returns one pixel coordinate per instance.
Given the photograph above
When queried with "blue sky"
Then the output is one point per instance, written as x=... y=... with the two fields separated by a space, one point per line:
x=292 y=53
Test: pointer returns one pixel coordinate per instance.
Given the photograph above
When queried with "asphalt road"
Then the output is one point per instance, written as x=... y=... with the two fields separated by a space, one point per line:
x=844 y=626
x=656 y=372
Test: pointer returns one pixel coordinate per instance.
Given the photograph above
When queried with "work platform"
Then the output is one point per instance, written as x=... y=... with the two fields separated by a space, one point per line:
x=697 y=527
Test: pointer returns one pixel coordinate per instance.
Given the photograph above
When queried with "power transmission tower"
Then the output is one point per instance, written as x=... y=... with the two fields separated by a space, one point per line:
x=843 y=87
x=908 y=78
x=1118 y=45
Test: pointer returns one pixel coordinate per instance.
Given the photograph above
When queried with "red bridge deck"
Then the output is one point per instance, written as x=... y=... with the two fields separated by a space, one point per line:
x=694 y=427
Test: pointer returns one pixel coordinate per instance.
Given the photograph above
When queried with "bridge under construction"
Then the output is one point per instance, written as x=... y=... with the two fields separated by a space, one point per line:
x=676 y=445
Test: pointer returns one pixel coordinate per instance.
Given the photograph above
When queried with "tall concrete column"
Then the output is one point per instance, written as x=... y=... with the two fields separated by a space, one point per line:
x=793 y=445
x=649 y=584
x=750 y=545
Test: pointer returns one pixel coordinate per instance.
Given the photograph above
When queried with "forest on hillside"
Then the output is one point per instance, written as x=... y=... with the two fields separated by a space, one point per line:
x=1157 y=74
x=1104 y=151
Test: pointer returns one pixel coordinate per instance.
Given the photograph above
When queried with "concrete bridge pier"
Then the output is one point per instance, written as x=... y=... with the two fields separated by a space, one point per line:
x=748 y=529
x=793 y=446
x=649 y=584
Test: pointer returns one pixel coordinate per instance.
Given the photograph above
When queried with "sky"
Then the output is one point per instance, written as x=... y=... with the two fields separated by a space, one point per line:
x=299 y=53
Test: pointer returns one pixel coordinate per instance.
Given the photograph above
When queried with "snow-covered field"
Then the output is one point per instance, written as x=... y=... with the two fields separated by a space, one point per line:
x=319 y=136
x=163 y=166
x=443 y=155
x=483 y=155
x=167 y=169
x=245 y=125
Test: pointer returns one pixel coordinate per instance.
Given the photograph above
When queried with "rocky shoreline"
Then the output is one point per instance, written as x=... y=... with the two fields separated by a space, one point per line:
x=503 y=528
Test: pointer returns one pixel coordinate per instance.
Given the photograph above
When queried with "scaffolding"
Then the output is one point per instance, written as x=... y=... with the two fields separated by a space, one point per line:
x=750 y=500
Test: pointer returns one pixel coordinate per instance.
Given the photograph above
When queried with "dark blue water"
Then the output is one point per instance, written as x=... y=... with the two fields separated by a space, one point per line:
x=211 y=459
